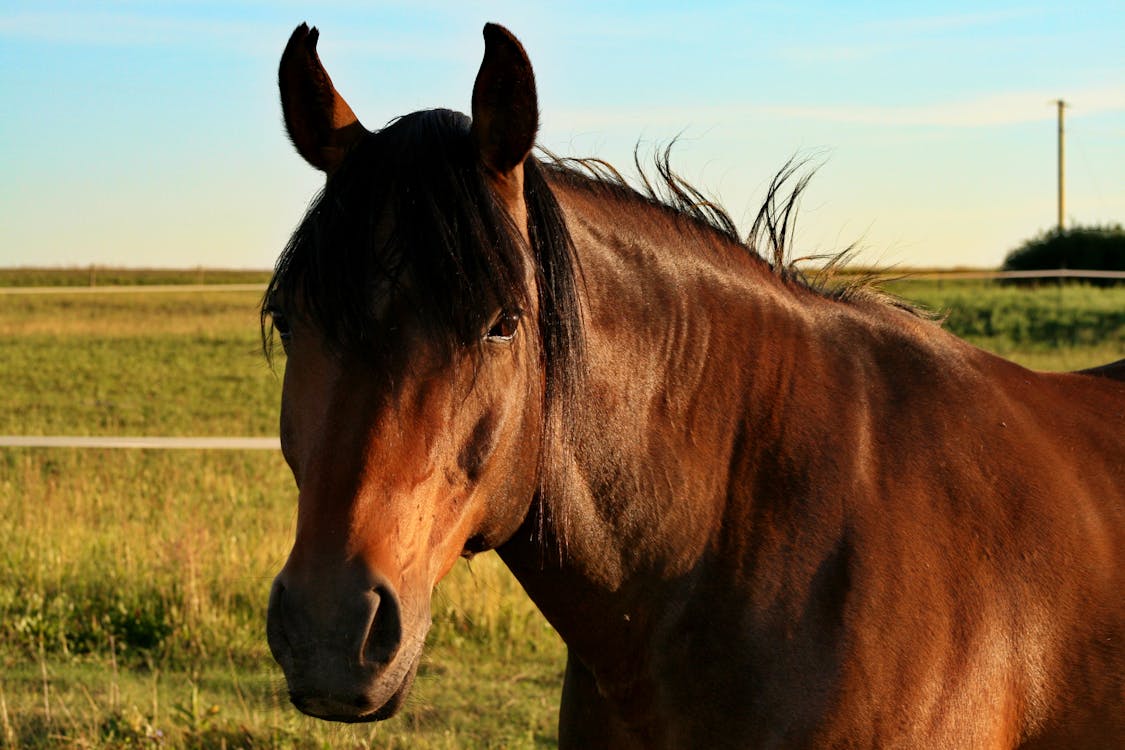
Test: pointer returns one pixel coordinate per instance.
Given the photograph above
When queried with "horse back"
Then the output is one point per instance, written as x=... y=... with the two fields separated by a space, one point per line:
x=1113 y=370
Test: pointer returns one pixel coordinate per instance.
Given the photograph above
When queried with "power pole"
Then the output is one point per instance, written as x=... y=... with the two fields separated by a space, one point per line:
x=1062 y=187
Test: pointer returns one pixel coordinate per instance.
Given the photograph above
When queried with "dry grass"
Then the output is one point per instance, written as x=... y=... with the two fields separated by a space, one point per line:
x=201 y=314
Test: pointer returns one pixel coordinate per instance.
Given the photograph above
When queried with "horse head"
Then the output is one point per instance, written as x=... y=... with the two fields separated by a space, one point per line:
x=412 y=403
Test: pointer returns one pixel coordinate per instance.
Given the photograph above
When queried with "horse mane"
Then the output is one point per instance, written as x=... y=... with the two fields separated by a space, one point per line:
x=770 y=236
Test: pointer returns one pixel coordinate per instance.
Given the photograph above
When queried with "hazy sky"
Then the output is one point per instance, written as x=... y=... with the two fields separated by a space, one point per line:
x=149 y=133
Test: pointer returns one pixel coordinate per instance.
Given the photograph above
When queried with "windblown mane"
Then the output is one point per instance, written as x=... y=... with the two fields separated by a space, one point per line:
x=771 y=234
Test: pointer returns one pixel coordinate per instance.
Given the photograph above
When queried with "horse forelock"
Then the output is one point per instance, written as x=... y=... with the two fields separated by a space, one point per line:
x=410 y=215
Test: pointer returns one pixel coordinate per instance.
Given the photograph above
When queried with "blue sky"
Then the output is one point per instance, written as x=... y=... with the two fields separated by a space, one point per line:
x=149 y=133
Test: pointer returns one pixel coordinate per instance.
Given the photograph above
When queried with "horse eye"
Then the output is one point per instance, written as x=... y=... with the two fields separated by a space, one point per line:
x=505 y=326
x=281 y=325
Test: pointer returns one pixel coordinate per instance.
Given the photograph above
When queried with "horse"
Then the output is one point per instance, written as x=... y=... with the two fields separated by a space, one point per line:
x=760 y=513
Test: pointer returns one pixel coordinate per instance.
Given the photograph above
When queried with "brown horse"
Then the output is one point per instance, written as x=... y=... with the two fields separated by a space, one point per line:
x=759 y=514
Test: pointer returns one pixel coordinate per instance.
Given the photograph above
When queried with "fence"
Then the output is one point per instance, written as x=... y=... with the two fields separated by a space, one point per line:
x=149 y=443
x=1058 y=273
x=129 y=288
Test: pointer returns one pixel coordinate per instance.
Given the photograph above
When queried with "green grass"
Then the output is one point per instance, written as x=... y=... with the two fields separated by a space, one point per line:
x=139 y=571
x=159 y=364
x=133 y=583
x=460 y=700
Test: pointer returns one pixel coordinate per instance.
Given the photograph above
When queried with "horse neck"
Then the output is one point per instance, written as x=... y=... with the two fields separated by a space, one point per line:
x=695 y=349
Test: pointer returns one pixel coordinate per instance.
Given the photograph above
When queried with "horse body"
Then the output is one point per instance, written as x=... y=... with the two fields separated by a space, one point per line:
x=868 y=567
x=768 y=518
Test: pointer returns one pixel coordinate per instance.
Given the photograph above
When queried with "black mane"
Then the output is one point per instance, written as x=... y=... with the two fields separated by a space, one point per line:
x=771 y=234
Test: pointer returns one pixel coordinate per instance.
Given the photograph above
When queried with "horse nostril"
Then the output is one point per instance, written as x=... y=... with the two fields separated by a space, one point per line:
x=385 y=632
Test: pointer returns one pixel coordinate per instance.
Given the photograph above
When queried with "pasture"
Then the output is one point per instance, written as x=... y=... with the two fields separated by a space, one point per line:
x=133 y=584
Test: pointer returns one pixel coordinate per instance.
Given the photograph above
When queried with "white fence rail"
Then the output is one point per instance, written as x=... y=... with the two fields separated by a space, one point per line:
x=147 y=443
x=133 y=289
x=1058 y=273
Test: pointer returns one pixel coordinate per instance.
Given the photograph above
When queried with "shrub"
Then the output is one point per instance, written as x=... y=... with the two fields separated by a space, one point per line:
x=1088 y=248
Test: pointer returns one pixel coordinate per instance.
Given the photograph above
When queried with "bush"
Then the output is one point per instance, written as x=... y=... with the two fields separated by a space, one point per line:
x=1087 y=248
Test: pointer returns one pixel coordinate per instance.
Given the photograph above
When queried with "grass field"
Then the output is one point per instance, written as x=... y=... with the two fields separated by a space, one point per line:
x=133 y=583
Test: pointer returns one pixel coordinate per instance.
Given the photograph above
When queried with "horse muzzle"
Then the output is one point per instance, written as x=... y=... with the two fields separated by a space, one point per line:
x=343 y=648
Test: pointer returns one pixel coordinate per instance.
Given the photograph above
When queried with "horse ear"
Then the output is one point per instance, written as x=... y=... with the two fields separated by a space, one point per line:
x=320 y=123
x=505 y=109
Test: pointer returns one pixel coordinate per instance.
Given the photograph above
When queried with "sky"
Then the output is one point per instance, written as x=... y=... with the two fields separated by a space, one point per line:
x=150 y=133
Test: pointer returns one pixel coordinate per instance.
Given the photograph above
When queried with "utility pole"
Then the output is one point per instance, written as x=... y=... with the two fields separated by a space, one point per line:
x=1062 y=188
